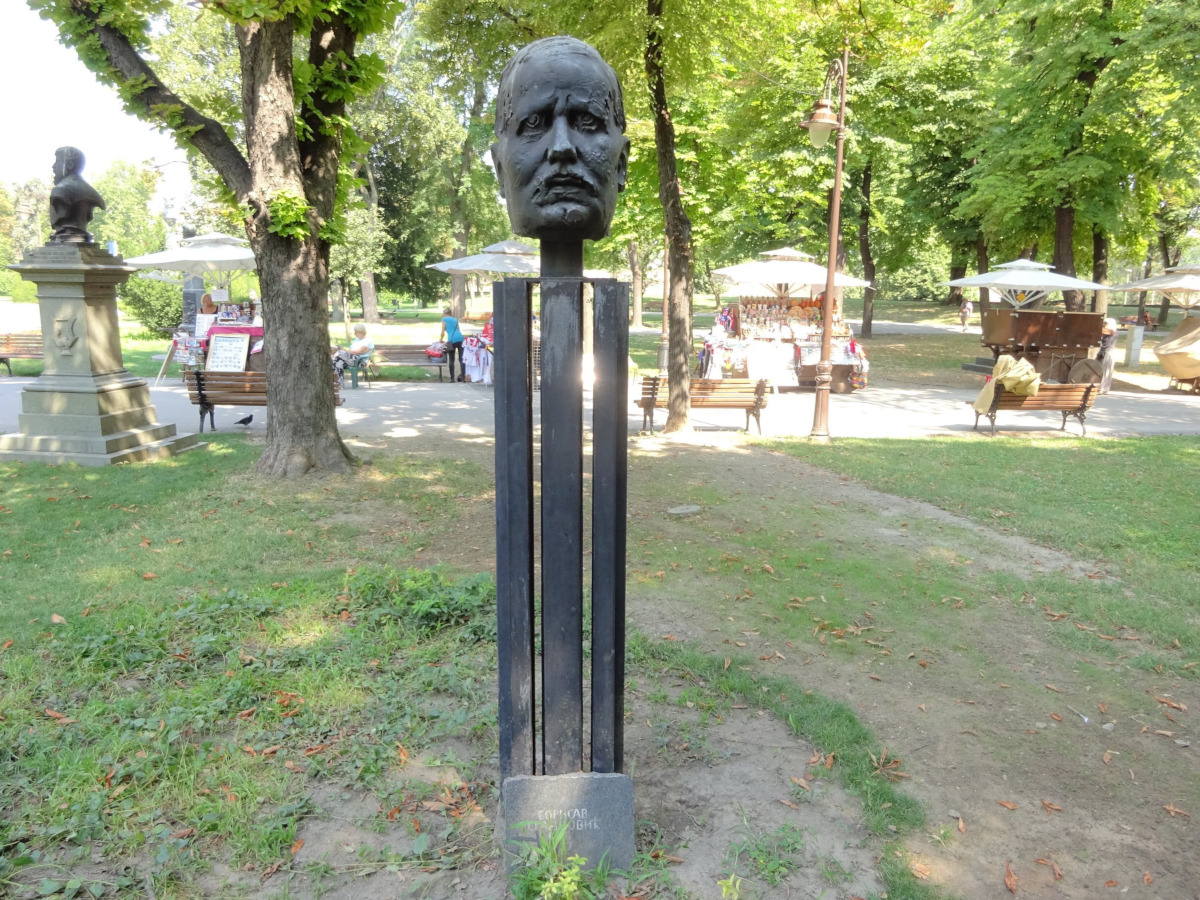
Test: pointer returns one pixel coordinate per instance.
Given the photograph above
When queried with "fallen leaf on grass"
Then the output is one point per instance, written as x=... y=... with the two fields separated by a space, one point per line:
x=6 y=644
x=148 y=576
x=790 y=804
x=1162 y=700
x=271 y=870
x=920 y=870
x=962 y=826
x=874 y=677
x=1050 y=807
x=185 y=833
x=56 y=619
x=1054 y=616
x=1112 y=884
x=1010 y=879
x=1056 y=717
x=829 y=761
x=1174 y=811
x=1106 y=758
x=297 y=845
x=1056 y=690
x=293 y=767
x=1006 y=804
x=1103 y=707
x=921 y=707
x=801 y=782
x=1147 y=878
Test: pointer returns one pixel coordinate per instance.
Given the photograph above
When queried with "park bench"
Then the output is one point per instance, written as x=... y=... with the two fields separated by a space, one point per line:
x=23 y=345
x=403 y=355
x=707 y=393
x=212 y=389
x=1069 y=399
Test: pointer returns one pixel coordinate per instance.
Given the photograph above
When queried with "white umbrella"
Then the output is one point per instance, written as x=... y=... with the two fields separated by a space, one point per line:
x=1022 y=281
x=215 y=255
x=506 y=258
x=1181 y=284
x=783 y=272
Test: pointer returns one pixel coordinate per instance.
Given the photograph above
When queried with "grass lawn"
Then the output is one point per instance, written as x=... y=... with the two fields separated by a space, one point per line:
x=196 y=666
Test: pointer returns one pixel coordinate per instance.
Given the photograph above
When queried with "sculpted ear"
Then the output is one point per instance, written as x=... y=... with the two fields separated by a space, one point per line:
x=623 y=165
x=495 y=151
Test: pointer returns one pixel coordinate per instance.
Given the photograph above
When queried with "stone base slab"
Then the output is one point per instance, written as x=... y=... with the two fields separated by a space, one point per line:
x=13 y=447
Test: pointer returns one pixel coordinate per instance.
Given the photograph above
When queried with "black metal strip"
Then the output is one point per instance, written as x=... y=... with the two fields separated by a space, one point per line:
x=610 y=441
x=562 y=525
x=514 y=527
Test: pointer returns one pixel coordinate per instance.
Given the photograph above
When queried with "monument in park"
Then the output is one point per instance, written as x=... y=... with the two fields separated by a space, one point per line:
x=561 y=157
x=84 y=407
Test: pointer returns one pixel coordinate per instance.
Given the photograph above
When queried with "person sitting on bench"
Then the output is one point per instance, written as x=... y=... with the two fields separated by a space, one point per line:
x=358 y=353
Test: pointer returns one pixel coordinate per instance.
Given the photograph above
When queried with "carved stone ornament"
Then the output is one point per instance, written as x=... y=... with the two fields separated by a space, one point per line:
x=561 y=154
x=64 y=334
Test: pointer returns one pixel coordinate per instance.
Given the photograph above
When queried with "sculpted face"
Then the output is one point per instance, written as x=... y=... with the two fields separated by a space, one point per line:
x=561 y=155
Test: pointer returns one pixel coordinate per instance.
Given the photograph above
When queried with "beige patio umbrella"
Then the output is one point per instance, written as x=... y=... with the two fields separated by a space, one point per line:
x=784 y=272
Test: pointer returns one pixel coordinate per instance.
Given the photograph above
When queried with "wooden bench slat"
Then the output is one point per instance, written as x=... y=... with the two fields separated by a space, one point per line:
x=209 y=390
x=406 y=355
x=20 y=345
x=1068 y=399
x=707 y=393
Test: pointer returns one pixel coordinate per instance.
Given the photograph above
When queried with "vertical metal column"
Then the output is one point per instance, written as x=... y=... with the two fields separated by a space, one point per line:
x=514 y=527
x=610 y=438
x=562 y=525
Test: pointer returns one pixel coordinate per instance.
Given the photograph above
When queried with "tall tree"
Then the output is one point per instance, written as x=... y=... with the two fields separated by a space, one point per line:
x=299 y=65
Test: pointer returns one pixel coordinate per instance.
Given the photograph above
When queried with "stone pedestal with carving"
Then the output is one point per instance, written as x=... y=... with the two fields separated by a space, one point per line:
x=85 y=407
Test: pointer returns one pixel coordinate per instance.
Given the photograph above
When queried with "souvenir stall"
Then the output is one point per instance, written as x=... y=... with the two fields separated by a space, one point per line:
x=477 y=353
x=776 y=334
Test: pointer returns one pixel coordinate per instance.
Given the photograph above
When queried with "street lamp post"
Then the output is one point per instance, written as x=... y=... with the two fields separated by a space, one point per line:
x=820 y=123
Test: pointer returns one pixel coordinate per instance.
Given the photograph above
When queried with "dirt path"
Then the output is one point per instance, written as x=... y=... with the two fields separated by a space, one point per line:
x=982 y=718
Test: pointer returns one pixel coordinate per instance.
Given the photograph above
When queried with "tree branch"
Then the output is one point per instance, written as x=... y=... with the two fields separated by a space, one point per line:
x=164 y=107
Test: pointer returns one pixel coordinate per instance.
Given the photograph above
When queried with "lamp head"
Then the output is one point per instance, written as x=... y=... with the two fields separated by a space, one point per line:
x=821 y=122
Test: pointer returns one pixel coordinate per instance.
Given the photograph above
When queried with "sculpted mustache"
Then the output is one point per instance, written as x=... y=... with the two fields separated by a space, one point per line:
x=567 y=180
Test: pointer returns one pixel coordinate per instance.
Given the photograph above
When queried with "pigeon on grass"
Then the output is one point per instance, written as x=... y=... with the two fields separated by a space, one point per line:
x=246 y=420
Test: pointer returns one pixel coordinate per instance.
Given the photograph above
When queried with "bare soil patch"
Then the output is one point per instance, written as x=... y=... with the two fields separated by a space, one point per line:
x=1093 y=798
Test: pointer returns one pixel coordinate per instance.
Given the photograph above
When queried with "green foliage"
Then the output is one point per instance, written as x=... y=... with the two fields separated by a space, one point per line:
x=128 y=191
x=157 y=305
x=426 y=600
x=546 y=872
x=289 y=215
x=921 y=279
x=772 y=854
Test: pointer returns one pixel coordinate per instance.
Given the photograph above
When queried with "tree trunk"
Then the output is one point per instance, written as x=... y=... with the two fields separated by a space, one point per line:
x=864 y=252
x=1099 y=268
x=293 y=271
x=1145 y=274
x=981 y=268
x=678 y=228
x=635 y=270
x=459 y=206
x=370 y=299
x=1030 y=253
x=1064 y=252
x=366 y=285
x=958 y=269
x=1165 y=307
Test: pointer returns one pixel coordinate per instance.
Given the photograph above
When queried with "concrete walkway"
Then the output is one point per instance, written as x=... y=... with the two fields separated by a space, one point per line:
x=398 y=410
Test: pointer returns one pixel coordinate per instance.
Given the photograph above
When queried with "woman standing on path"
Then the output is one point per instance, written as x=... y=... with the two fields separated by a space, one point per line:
x=1107 y=355
x=453 y=337
x=964 y=312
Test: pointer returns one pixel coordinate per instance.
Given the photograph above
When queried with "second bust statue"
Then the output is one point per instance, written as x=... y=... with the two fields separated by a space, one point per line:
x=561 y=153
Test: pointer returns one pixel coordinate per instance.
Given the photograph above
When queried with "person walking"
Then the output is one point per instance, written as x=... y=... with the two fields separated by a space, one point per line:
x=1107 y=356
x=453 y=337
x=965 y=311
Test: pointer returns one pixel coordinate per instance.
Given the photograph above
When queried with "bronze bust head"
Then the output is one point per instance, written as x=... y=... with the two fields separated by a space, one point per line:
x=561 y=153
x=72 y=200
